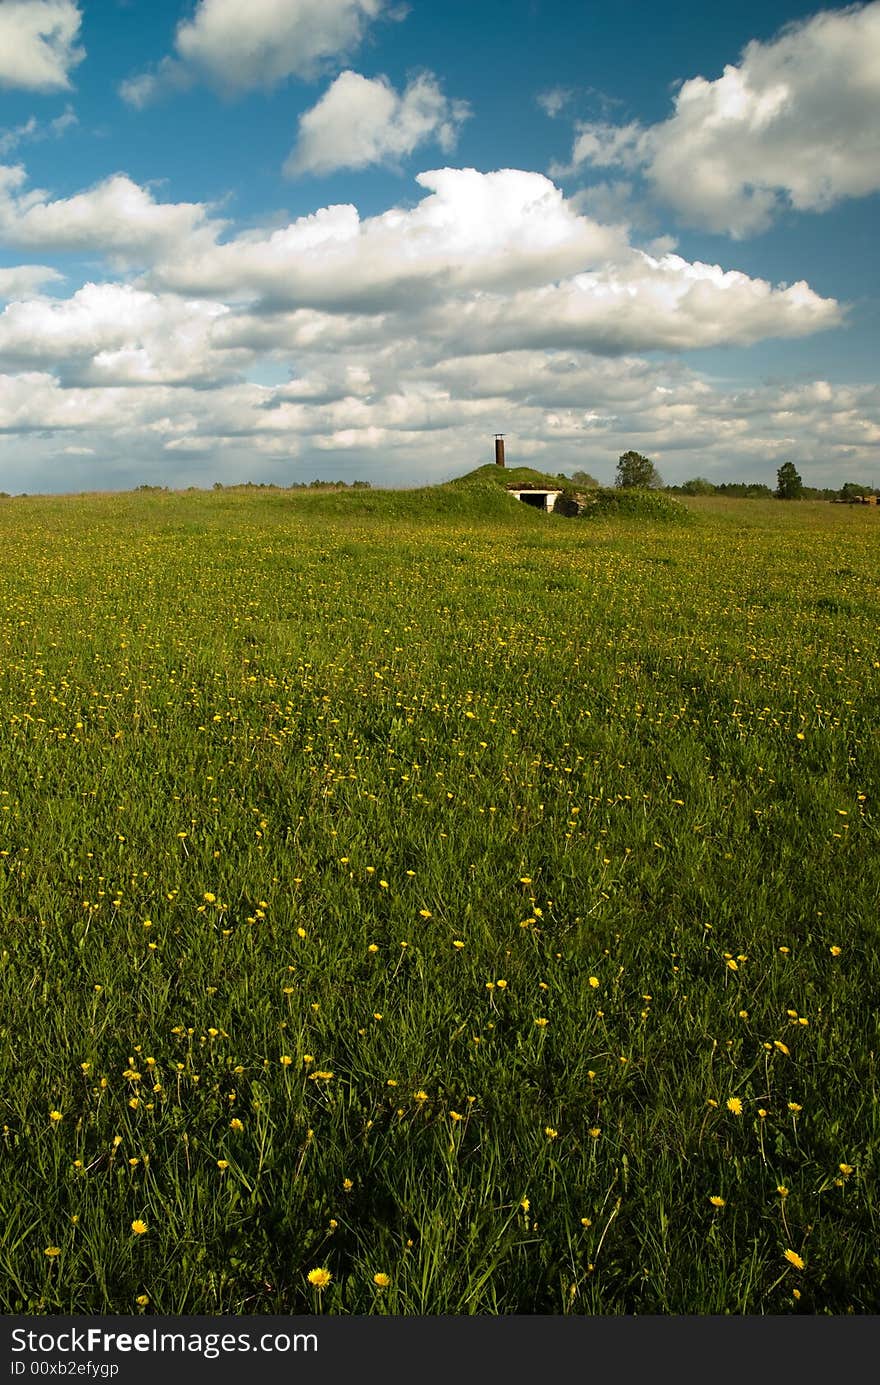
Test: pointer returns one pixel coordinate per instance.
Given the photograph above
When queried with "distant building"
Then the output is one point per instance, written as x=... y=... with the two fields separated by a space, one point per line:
x=541 y=497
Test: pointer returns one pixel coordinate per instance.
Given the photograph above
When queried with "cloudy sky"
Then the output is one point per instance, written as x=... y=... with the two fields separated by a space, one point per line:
x=288 y=239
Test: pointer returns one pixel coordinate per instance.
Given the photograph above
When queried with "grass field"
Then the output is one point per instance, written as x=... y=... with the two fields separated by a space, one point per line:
x=477 y=905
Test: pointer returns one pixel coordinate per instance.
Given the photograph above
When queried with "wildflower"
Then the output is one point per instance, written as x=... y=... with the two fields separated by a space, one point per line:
x=782 y=1048
x=308 y=1058
x=381 y=1280
x=732 y=966
x=52 y=1251
x=222 y=1164
x=594 y=1132
x=594 y=981
x=455 y=1116
x=762 y=1112
x=300 y=932
x=347 y=1185
x=835 y=950
x=142 y=1300
x=319 y=1278
x=208 y=897
x=586 y=1221
x=541 y=1022
x=525 y=1204
x=458 y=944
x=794 y=1107
x=743 y=1014
x=794 y=1259
x=550 y=1132
x=139 y=1227
x=782 y=1190
x=502 y=985
x=285 y=1060
x=734 y=1105
x=846 y=1169
x=235 y=1124
x=373 y=947
x=718 y=1201
x=55 y=1116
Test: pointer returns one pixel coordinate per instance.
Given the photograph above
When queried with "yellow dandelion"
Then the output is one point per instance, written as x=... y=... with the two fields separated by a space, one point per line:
x=718 y=1201
x=731 y=965
x=139 y=1227
x=550 y=1132
x=794 y=1259
x=782 y=1190
x=381 y=1280
x=285 y=1060
x=835 y=950
x=458 y=944
x=594 y=1132
x=846 y=1169
x=373 y=947
x=236 y=1124
x=347 y=1185
x=541 y=1022
x=420 y=1095
x=734 y=1105
x=782 y=1048
x=55 y=1116
x=794 y=1107
x=594 y=981
x=525 y=1204
x=209 y=898
x=319 y=1278
x=52 y=1251
x=142 y=1300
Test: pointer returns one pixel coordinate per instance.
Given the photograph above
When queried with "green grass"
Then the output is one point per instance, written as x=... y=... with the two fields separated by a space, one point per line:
x=267 y=758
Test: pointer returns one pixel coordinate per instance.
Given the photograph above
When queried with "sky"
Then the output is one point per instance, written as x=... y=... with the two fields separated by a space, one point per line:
x=350 y=240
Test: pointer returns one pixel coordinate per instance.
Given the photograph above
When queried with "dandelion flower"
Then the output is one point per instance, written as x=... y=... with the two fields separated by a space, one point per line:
x=782 y=1190
x=139 y=1227
x=420 y=1095
x=347 y=1185
x=794 y=1259
x=525 y=1204
x=55 y=1116
x=541 y=1022
x=222 y=1165
x=835 y=950
x=52 y=1251
x=794 y=1107
x=550 y=1132
x=594 y=1132
x=734 y=1105
x=285 y=1060
x=586 y=1221
x=381 y=1280
x=782 y=1048
x=718 y=1201
x=142 y=1300
x=236 y=1124
x=846 y=1169
x=319 y=1278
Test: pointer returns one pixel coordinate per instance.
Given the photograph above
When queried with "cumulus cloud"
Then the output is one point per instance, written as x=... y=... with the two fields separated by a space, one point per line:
x=117 y=218
x=116 y=334
x=238 y=47
x=472 y=231
x=792 y=125
x=361 y=121
x=38 y=43
x=24 y=280
x=494 y=301
x=498 y=258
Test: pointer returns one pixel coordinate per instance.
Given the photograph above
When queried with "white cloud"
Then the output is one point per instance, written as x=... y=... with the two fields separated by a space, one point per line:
x=472 y=231
x=552 y=101
x=500 y=259
x=361 y=121
x=38 y=43
x=32 y=131
x=116 y=334
x=241 y=46
x=117 y=218
x=794 y=124
x=21 y=281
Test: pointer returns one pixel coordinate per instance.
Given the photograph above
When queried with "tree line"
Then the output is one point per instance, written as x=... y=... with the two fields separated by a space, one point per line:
x=636 y=471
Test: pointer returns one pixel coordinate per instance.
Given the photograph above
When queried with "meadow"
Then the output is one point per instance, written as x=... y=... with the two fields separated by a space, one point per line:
x=413 y=903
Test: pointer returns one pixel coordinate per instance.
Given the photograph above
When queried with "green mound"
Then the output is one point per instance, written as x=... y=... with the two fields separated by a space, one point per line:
x=630 y=503
x=500 y=477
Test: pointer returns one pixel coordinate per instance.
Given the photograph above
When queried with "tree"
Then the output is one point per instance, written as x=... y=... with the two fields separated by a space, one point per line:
x=635 y=470
x=584 y=480
x=789 y=485
x=698 y=485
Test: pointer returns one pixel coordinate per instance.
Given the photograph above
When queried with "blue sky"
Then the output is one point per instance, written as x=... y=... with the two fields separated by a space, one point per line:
x=355 y=238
